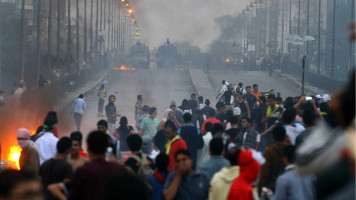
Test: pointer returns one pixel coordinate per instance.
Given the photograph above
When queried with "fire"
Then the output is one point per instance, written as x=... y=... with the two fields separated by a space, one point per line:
x=124 y=68
x=14 y=156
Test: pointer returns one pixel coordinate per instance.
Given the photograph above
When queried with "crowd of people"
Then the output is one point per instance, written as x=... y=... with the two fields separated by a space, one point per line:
x=248 y=146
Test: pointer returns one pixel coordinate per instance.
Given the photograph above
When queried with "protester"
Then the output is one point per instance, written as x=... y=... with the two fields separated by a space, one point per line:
x=193 y=104
x=185 y=106
x=145 y=114
x=255 y=91
x=237 y=110
x=149 y=125
x=245 y=109
x=102 y=96
x=168 y=115
x=46 y=144
x=20 y=185
x=221 y=112
x=251 y=99
x=204 y=152
x=57 y=169
x=207 y=109
x=29 y=160
x=223 y=90
x=186 y=183
x=274 y=164
x=76 y=160
x=121 y=134
x=111 y=114
x=221 y=182
x=260 y=115
x=138 y=107
x=309 y=121
x=94 y=174
x=174 y=143
x=228 y=97
x=292 y=129
x=290 y=185
x=139 y=162
x=147 y=147
x=211 y=119
x=53 y=116
x=194 y=140
x=234 y=130
x=78 y=108
x=247 y=138
x=158 y=178
x=216 y=161
x=273 y=111
x=177 y=111
x=198 y=120
x=241 y=188
x=201 y=102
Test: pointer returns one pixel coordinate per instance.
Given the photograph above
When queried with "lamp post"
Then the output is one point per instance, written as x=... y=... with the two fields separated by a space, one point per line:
x=303 y=73
x=49 y=43
x=58 y=30
x=319 y=36
x=333 y=41
x=38 y=41
x=298 y=28
x=22 y=42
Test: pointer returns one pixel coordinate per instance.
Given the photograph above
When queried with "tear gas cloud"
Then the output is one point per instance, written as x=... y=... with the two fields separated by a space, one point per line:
x=183 y=20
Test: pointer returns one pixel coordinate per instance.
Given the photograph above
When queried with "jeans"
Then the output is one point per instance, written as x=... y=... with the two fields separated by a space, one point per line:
x=78 y=120
x=101 y=105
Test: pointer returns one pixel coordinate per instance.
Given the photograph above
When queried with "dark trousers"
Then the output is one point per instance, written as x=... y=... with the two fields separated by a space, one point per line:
x=101 y=105
x=78 y=120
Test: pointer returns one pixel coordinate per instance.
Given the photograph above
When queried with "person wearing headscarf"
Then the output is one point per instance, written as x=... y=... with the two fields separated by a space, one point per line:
x=29 y=160
x=168 y=115
x=147 y=147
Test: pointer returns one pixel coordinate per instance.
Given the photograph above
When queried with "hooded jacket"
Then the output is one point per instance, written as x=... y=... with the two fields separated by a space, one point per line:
x=241 y=188
x=221 y=182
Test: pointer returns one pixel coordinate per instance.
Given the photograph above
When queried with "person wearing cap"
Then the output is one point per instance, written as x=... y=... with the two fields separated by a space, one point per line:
x=47 y=143
x=326 y=98
x=29 y=160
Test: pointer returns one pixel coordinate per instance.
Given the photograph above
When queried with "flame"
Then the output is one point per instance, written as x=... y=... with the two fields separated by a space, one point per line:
x=14 y=156
x=123 y=68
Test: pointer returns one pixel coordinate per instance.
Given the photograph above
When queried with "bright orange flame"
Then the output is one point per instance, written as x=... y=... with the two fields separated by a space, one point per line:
x=14 y=156
x=127 y=4
x=124 y=68
x=130 y=11
x=227 y=60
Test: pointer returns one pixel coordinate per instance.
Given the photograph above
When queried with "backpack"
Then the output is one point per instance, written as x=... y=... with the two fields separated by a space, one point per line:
x=145 y=168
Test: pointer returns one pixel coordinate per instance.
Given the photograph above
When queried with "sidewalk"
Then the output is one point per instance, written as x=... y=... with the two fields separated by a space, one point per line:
x=297 y=82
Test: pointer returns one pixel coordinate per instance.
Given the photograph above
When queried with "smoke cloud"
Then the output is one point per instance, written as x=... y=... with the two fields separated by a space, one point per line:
x=183 y=20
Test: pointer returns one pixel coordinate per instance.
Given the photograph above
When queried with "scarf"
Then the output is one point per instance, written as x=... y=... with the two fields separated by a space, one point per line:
x=169 y=143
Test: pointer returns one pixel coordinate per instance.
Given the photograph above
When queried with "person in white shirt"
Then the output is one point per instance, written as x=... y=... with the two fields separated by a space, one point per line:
x=47 y=143
x=78 y=108
x=204 y=154
x=223 y=89
x=292 y=129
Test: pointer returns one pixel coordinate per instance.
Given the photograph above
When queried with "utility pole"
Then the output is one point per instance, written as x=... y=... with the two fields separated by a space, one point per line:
x=96 y=29
x=298 y=28
x=49 y=44
x=58 y=31
x=91 y=31
x=282 y=27
x=38 y=42
x=77 y=34
x=101 y=25
x=22 y=41
x=308 y=32
x=104 y=21
x=109 y=25
x=333 y=41
x=303 y=73
x=85 y=32
x=350 y=43
x=319 y=36
x=69 y=57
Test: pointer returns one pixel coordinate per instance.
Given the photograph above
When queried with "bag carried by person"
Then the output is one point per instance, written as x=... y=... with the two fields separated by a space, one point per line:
x=145 y=168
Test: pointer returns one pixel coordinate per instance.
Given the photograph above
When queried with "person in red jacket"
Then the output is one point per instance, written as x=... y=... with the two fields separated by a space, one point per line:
x=241 y=188
x=174 y=143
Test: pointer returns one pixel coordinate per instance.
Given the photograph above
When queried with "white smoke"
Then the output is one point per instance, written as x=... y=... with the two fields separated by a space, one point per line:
x=182 y=20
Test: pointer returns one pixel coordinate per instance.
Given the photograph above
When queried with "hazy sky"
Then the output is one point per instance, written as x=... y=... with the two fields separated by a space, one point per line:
x=182 y=20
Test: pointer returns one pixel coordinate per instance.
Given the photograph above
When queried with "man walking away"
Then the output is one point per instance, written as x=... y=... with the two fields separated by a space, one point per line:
x=189 y=133
x=138 y=107
x=207 y=109
x=234 y=130
x=102 y=97
x=290 y=185
x=292 y=129
x=57 y=169
x=223 y=90
x=186 y=183
x=216 y=161
x=274 y=164
x=78 y=108
x=46 y=144
x=157 y=179
x=221 y=182
x=192 y=103
x=92 y=176
x=174 y=143
x=111 y=114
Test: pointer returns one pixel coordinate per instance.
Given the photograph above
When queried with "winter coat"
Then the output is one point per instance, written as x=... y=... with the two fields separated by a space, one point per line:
x=221 y=182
